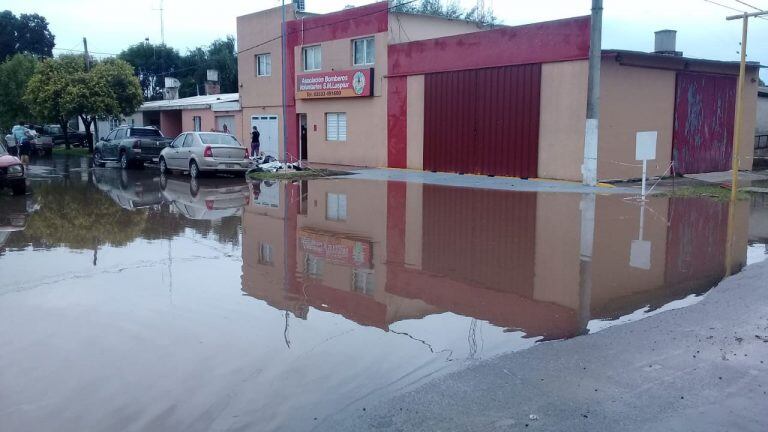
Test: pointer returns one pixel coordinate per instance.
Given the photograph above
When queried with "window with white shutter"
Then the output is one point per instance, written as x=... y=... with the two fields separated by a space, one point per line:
x=336 y=126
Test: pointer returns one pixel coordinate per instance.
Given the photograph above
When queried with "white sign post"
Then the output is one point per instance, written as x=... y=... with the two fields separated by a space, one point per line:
x=645 y=150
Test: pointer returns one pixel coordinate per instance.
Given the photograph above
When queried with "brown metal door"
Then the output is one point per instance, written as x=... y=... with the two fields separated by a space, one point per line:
x=704 y=116
x=483 y=121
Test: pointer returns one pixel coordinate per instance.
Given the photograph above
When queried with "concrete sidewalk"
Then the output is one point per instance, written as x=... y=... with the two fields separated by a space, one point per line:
x=701 y=368
x=485 y=182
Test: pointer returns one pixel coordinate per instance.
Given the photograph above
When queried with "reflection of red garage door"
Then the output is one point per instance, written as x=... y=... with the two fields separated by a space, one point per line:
x=704 y=117
x=483 y=121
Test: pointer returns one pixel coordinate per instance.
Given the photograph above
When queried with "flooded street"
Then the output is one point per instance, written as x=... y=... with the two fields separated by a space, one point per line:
x=131 y=301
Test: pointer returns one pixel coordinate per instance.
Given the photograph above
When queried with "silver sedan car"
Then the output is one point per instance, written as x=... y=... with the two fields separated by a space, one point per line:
x=199 y=152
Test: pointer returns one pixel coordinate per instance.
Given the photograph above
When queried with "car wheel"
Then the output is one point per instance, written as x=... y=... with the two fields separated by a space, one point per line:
x=97 y=160
x=194 y=170
x=124 y=164
x=163 y=166
x=194 y=187
x=19 y=187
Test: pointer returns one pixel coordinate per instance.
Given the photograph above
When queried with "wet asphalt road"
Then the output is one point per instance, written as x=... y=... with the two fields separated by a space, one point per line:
x=139 y=303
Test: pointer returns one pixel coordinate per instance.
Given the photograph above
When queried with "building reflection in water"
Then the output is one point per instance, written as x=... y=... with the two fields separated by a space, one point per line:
x=382 y=252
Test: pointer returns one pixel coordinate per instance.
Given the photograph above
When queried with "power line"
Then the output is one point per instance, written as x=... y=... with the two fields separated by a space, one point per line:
x=732 y=8
x=81 y=51
x=748 y=5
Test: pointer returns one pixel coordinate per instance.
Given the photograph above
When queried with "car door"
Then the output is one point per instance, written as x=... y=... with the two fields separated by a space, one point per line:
x=114 y=145
x=172 y=153
x=105 y=144
x=186 y=150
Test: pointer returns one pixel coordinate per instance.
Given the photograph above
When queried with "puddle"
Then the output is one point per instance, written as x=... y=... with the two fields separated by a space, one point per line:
x=168 y=304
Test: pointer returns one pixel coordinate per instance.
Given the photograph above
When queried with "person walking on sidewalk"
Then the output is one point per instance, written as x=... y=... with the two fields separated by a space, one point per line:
x=255 y=144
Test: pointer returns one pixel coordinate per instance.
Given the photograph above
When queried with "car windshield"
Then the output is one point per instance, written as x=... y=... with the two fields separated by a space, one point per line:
x=219 y=139
x=148 y=132
x=55 y=129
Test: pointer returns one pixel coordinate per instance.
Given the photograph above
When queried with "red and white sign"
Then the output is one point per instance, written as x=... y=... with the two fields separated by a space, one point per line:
x=335 y=84
x=337 y=250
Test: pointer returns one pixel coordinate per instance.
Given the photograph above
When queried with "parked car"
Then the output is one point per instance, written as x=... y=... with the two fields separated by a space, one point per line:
x=14 y=214
x=42 y=144
x=200 y=152
x=12 y=173
x=131 y=190
x=206 y=199
x=57 y=135
x=130 y=146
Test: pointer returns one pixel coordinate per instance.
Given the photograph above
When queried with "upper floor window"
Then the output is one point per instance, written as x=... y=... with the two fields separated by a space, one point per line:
x=263 y=65
x=363 y=51
x=312 y=58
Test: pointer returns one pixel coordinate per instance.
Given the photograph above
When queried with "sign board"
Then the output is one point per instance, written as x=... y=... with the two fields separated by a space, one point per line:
x=335 y=84
x=646 y=145
x=335 y=249
x=640 y=254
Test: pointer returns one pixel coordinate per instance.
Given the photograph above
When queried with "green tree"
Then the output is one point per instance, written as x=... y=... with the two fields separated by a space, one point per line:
x=152 y=63
x=14 y=77
x=221 y=55
x=45 y=90
x=446 y=9
x=63 y=88
x=27 y=33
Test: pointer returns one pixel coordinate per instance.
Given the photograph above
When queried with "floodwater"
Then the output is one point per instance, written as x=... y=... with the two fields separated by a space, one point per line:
x=134 y=302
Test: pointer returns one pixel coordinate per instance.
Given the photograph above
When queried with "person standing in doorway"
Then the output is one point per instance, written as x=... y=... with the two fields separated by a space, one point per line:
x=225 y=129
x=255 y=144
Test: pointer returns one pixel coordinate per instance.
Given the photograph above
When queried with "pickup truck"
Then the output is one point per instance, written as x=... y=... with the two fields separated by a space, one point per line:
x=57 y=135
x=130 y=146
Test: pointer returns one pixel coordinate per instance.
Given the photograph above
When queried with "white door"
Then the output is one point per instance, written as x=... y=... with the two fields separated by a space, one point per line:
x=228 y=121
x=269 y=137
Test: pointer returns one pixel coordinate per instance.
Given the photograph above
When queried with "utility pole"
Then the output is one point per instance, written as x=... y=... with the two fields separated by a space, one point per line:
x=739 y=99
x=737 y=127
x=589 y=167
x=86 y=57
x=285 y=109
x=162 y=25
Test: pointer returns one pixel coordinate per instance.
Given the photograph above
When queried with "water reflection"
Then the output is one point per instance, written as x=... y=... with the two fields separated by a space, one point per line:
x=279 y=306
x=379 y=253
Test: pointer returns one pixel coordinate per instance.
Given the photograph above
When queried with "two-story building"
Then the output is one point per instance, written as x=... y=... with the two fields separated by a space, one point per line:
x=368 y=86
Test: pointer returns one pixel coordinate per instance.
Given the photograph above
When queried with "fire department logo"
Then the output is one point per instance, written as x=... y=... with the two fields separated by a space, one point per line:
x=358 y=83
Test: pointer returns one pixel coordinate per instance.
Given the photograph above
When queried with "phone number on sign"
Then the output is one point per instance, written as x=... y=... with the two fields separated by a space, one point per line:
x=324 y=93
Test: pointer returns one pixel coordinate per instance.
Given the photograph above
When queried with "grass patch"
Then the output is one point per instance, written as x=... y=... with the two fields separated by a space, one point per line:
x=296 y=175
x=79 y=151
x=705 y=191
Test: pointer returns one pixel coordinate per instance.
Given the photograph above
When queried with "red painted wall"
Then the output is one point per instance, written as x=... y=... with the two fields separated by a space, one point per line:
x=550 y=41
x=397 y=122
x=348 y=23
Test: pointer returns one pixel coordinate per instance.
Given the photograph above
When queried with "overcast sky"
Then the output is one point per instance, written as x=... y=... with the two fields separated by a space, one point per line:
x=110 y=26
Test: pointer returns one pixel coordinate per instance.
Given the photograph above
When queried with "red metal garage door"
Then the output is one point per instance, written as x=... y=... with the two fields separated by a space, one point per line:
x=704 y=115
x=483 y=121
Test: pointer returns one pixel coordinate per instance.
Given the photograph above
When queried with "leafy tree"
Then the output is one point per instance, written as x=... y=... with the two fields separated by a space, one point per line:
x=220 y=55
x=152 y=63
x=27 y=33
x=446 y=9
x=45 y=90
x=14 y=76
x=62 y=88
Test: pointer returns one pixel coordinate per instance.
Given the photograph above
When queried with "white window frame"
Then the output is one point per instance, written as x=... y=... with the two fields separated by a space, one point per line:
x=336 y=207
x=367 y=43
x=266 y=253
x=313 y=266
x=336 y=128
x=363 y=281
x=197 y=123
x=267 y=67
x=317 y=58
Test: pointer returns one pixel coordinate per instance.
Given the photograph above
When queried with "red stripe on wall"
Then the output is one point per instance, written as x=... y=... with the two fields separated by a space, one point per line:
x=397 y=122
x=550 y=41
x=396 y=194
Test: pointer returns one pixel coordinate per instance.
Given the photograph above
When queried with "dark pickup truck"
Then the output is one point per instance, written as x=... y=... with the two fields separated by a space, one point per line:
x=130 y=146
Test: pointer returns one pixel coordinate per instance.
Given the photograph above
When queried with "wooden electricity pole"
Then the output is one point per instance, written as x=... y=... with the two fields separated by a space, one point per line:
x=737 y=127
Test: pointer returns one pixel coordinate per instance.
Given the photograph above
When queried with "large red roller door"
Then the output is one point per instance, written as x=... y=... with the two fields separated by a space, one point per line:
x=483 y=121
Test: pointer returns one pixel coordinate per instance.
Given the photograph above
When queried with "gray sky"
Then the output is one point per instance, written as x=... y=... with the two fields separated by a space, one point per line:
x=110 y=26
